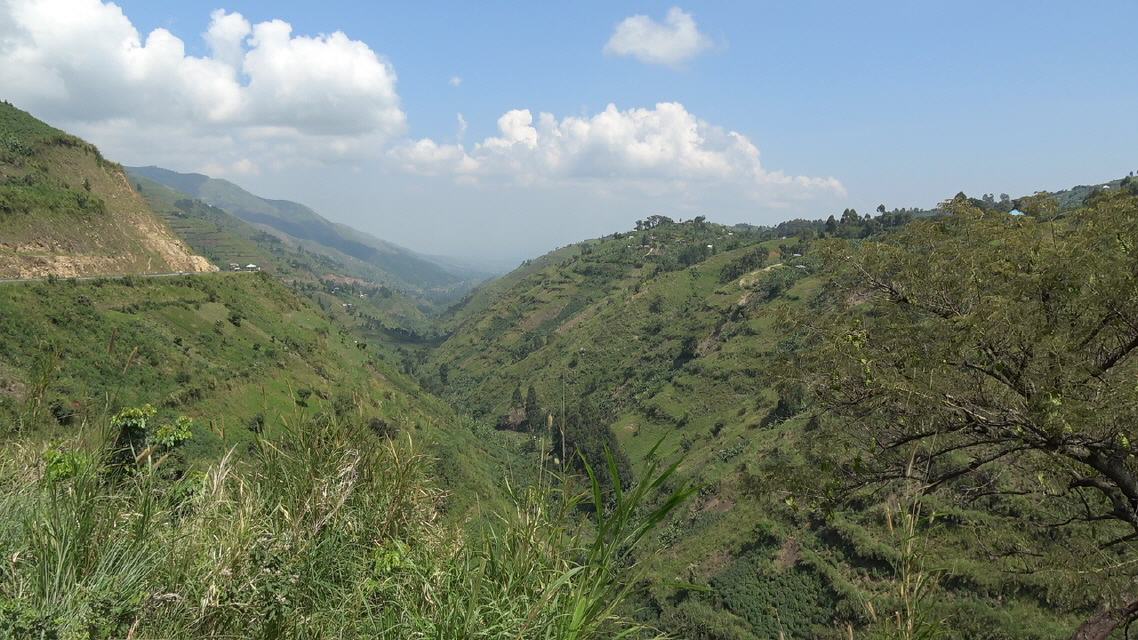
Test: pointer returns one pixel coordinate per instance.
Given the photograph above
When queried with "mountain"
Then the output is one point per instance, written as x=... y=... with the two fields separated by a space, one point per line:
x=689 y=343
x=67 y=211
x=368 y=257
x=227 y=240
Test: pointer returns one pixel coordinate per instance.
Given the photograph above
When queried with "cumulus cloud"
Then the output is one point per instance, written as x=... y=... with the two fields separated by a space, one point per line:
x=671 y=42
x=226 y=37
x=82 y=63
x=665 y=147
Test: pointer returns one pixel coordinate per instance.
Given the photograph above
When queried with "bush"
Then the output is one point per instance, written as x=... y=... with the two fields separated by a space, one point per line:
x=790 y=602
x=749 y=261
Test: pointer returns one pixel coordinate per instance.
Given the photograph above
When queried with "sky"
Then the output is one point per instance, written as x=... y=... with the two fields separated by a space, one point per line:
x=501 y=130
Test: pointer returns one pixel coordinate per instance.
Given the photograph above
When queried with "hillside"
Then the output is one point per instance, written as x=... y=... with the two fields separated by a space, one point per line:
x=363 y=255
x=882 y=443
x=214 y=456
x=227 y=240
x=67 y=211
x=224 y=349
x=693 y=334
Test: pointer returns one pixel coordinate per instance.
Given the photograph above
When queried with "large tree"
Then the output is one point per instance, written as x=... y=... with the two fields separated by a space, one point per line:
x=996 y=354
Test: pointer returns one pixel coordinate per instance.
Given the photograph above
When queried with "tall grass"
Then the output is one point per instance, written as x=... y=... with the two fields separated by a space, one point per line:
x=907 y=613
x=326 y=531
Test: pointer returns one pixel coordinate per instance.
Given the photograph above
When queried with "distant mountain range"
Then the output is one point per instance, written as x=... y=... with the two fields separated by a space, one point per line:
x=360 y=254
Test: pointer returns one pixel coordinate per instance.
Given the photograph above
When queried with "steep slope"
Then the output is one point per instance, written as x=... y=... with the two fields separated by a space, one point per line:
x=240 y=353
x=369 y=257
x=67 y=211
x=678 y=333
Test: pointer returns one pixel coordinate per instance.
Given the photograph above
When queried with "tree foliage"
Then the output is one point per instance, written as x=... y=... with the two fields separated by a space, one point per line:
x=586 y=441
x=994 y=354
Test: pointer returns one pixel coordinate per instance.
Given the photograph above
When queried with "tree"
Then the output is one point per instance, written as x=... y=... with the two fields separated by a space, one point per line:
x=749 y=261
x=689 y=347
x=831 y=226
x=535 y=417
x=516 y=399
x=999 y=368
x=585 y=437
x=791 y=401
x=881 y=209
x=692 y=254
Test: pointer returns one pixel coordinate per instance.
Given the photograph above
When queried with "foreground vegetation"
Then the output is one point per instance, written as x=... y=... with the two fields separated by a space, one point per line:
x=328 y=530
x=998 y=373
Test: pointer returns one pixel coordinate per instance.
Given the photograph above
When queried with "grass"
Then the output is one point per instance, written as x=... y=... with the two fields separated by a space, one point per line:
x=325 y=531
x=20 y=133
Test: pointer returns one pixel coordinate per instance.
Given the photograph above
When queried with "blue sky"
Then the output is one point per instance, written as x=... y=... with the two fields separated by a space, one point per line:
x=903 y=103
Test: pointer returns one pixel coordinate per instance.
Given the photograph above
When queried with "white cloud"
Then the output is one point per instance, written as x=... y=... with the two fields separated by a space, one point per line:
x=83 y=64
x=659 y=149
x=455 y=81
x=226 y=37
x=427 y=157
x=671 y=42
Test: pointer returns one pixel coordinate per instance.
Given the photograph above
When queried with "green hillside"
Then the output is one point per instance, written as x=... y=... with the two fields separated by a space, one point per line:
x=242 y=455
x=67 y=211
x=214 y=456
x=697 y=334
x=366 y=256
x=222 y=349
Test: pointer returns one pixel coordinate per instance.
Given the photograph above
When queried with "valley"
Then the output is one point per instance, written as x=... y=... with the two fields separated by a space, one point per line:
x=914 y=424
